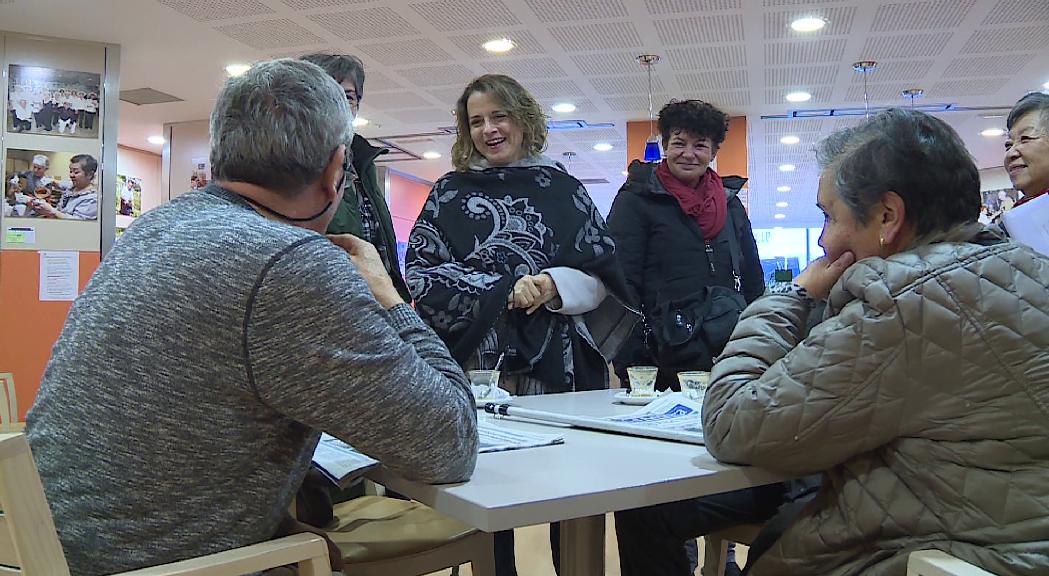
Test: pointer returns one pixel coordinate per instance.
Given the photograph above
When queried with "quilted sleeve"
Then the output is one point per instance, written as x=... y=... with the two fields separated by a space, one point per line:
x=783 y=401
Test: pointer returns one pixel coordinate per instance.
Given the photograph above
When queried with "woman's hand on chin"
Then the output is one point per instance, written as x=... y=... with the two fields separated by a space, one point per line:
x=822 y=273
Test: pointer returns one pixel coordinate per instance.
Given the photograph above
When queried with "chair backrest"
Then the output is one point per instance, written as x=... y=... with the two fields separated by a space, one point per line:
x=28 y=539
x=8 y=401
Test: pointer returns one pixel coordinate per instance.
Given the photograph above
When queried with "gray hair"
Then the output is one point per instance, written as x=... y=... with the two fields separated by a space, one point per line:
x=1037 y=102
x=917 y=156
x=277 y=125
x=341 y=67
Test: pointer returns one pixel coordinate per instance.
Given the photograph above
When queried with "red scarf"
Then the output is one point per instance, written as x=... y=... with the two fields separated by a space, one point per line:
x=1031 y=197
x=706 y=203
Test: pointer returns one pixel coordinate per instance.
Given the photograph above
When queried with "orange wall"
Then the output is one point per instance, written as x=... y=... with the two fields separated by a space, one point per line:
x=29 y=326
x=732 y=156
x=407 y=197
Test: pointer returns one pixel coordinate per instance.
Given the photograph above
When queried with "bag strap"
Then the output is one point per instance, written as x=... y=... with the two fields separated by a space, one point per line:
x=735 y=252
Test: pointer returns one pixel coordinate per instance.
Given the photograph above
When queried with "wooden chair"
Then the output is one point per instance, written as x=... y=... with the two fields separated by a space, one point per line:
x=715 y=548
x=381 y=536
x=29 y=543
x=9 y=404
x=939 y=563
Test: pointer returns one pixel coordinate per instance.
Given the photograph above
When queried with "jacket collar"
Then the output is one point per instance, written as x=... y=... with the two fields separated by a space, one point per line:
x=364 y=154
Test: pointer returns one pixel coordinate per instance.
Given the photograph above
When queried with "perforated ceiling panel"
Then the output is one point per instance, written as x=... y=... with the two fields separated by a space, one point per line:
x=895 y=70
x=1018 y=11
x=880 y=94
x=524 y=43
x=820 y=95
x=206 y=10
x=402 y=53
x=718 y=29
x=973 y=87
x=429 y=116
x=356 y=25
x=454 y=75
x=270 y=34
x=804 y=52
x=839 y=22
x=590 y=37
x=801 y=76
x=311 y=4
x=526 y=68
x=707 y=58
x=398 y=100
x=553 y=88
x=582 y=108
x=634 y=103
x=661 y=7
x=633 y=84
x=607 y=63
x=939 y=15
x=905 y=45
x=375 y=81
x=449 y=95
x=593 y=135
x=728 y=101
x=1007 y=39
x=561 y=11
x=714 y=80
x=466 y=14
x=986 y=65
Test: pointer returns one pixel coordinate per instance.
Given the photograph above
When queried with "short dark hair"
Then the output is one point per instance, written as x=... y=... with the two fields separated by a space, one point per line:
x=1037 y=102
x=910 y=153
x=341 y=67
x=87 y=162
x=696 y=117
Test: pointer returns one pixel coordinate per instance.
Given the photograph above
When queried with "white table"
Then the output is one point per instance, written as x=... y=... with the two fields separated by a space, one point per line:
x=591 y=474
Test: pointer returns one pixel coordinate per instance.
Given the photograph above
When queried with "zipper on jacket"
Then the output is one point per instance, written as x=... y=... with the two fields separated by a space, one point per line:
x=710 y=255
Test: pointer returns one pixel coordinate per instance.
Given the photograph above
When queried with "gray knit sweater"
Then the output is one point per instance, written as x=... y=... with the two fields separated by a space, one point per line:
x=186 y=393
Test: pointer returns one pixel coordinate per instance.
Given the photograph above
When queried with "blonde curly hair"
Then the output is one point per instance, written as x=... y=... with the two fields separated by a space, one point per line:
x=522 y=108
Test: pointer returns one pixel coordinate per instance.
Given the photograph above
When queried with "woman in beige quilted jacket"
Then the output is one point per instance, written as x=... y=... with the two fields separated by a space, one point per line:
x=923 y=396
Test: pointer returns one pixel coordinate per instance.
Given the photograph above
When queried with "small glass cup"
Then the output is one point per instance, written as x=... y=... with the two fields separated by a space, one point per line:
x=694 y=384
x=483 y=381
x=642 y=380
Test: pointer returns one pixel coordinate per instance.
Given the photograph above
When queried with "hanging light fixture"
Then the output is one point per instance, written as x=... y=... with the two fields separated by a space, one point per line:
x=653 y=147
x=913 y=94
x=865 y=67
x=568 y=157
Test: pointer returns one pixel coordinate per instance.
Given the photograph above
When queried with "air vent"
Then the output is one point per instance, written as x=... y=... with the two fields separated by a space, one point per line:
x=143 y=96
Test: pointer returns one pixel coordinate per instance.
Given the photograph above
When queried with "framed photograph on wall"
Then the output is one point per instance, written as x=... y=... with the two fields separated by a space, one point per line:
x=54 y=102
x=129 y=196
x=49 y=184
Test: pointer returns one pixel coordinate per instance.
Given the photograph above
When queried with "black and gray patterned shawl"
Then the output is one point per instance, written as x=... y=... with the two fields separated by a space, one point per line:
x=479 y=232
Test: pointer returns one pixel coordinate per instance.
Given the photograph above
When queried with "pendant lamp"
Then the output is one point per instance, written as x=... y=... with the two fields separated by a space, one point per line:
x=865 y=67
x=653 y=146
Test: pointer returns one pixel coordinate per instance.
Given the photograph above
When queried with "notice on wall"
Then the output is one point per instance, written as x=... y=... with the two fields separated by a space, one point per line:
x=20 y=235
x=59 y=272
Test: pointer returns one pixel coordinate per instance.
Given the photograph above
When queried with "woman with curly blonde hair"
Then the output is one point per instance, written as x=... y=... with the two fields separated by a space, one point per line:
x=511 y=263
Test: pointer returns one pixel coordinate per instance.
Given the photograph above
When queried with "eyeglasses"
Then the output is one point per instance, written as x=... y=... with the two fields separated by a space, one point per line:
x=352 y=99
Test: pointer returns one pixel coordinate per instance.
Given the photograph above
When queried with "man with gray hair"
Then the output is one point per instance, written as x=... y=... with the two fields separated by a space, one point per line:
x=222 y=334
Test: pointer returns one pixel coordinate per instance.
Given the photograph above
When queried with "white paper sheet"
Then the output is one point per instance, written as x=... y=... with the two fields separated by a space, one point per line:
x=339 y=461
x=1028 y=223
x=59 y=272
x=670 y=412
x=497 y=439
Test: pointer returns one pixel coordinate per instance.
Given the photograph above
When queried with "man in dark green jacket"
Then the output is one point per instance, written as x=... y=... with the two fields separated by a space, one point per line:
x=363 y=211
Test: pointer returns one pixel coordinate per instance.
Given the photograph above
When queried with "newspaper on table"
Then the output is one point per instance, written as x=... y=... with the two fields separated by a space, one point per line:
x=1028 y=223
x=497 y=439
x=671 y=417
x=339 y=462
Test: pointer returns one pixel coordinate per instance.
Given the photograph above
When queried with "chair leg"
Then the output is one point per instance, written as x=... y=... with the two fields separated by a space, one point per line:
x=483 y=557
x=715 y=550
x=314 y=567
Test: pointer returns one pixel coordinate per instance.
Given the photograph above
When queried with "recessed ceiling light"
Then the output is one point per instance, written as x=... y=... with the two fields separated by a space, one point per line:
x=359 y=121
x=564 y=107
x=237 y=69
x=789 y=140
x=781 y=204
x=602 y=146
x=779 y=216
x=783 y=189
x=625 y=173
x=777 y=227
x=992 y=132
x=499 y=45
x=808 y=24
x=799 y=96
x=431 y=155
x=787 y=167
x=158 y=140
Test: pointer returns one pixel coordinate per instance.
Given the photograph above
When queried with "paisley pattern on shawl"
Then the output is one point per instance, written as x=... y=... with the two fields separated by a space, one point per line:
x=479 y=231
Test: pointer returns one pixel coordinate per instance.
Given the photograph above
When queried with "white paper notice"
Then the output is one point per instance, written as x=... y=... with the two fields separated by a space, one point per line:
x=59 y=272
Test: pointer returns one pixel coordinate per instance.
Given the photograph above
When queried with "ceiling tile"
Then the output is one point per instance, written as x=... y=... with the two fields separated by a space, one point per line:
x=778 y=3
x=939 y=15
x=524 y=43
x=357 y=25
x=592 y=37
x=452 y=75
x=638 y=103
x=714 y=81
x=448 y=15
x=594 y=135
x=971 y=87
x=793 y=126
x=718 y=29
x=986 y=65
x=905 y=46
x=311 y=4
x=396 y=100
x=405 y=52
x=270 y=34
x=449 y=96
x=707 y=57
x=633 y=84
x=1018 y=12
x=434 y=116
x=375 y=81
x=839 y=22
x=561 y=11
x=1014 y=39
x=880 y=94
x=207 y=10
x=525 y=68
x=663 y=7
x=894 y=70
x=560 y=89
x=607 y=63
x=820 y=95
x=805 y=52
x=582 y=107
x=799 y=77
x=725 y=99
